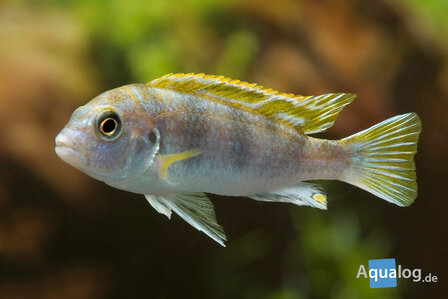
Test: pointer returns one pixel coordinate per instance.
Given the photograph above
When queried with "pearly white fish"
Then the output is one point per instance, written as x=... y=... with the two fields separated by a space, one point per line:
x=184 y=135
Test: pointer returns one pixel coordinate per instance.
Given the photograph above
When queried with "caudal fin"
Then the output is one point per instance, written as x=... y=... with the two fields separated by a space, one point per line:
x=383 y=159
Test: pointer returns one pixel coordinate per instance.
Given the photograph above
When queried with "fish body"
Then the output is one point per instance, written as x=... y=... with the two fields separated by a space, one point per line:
x=182 y=135
x=241 y=153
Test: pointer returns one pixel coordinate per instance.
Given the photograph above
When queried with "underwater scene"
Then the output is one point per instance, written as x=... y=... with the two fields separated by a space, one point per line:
x=223 y=149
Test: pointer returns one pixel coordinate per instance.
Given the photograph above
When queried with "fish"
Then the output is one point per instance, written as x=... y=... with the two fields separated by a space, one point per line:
x=181 y=136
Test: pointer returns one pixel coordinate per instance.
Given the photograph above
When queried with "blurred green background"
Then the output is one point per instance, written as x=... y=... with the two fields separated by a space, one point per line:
x=65 y=235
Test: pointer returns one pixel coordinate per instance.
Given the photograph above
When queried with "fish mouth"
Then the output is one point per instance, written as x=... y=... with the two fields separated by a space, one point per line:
x=67 y=152
x=74 y=154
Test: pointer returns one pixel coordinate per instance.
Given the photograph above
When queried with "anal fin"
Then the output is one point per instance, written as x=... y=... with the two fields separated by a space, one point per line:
x=303 y=194
x=195 y=208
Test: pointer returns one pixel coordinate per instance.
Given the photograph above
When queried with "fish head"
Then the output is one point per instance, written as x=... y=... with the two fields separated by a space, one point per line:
x=111 y=137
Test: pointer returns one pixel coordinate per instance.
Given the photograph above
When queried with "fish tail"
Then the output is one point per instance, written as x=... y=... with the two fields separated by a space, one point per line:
x=383 y=159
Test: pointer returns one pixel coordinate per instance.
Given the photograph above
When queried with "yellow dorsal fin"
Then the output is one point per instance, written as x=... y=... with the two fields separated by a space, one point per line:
x=309 y=114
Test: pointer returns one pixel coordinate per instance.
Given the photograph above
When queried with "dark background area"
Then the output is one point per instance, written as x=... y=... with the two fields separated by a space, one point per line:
x=65 y=235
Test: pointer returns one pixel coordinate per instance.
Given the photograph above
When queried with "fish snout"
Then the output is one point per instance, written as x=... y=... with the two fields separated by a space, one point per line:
x=65 y=148
x=62 y=139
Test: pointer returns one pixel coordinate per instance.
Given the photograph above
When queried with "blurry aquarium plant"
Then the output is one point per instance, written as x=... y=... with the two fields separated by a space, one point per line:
x=151 y=38
x=433 y=16
x=320 y=262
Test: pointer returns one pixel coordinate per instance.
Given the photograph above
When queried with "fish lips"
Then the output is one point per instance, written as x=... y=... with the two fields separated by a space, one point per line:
x=67 y=151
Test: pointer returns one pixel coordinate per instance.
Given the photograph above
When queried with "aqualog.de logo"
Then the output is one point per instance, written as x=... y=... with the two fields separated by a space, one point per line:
x=383 y=273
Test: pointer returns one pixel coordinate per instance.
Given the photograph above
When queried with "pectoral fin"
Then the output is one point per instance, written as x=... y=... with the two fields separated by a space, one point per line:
x=195 y=208
x=158 y=203
x=167 y=160
x=303 y=194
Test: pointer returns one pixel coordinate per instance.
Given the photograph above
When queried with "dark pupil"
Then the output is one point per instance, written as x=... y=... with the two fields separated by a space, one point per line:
x=152 y=137
x=109 y=125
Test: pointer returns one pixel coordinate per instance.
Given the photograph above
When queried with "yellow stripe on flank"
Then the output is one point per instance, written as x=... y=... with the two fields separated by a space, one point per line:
x=167 y=160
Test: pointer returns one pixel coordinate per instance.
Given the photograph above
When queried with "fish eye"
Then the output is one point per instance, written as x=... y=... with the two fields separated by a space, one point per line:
x=108 y=125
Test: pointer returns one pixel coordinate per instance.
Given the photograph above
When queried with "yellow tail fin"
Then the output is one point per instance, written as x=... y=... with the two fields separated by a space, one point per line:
x=383 y=161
